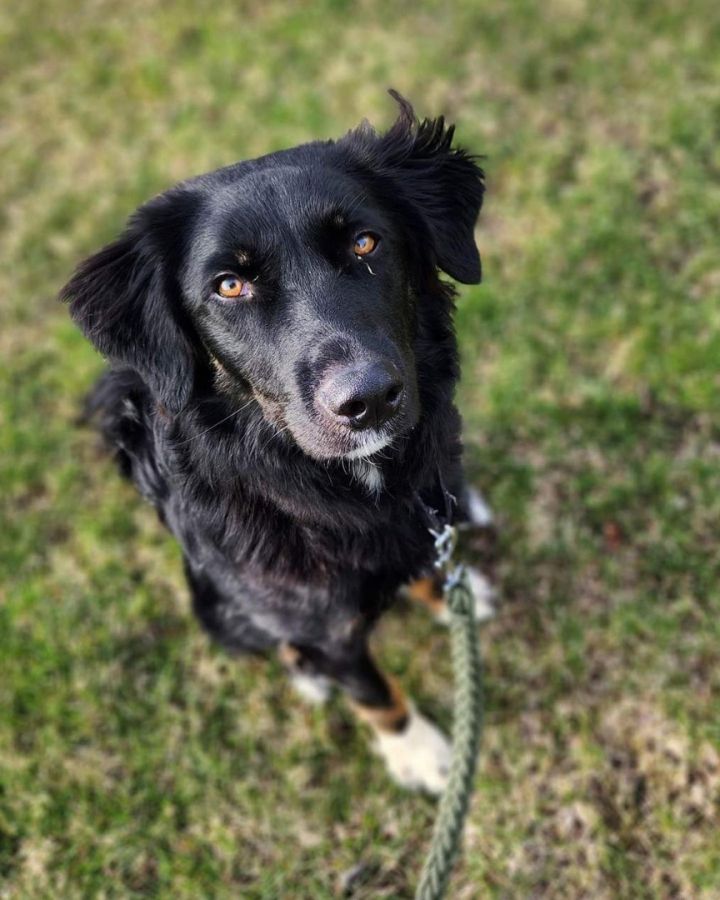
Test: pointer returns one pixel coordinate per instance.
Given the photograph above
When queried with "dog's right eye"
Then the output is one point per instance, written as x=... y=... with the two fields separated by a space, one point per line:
x=231 y=286
x=364 y=244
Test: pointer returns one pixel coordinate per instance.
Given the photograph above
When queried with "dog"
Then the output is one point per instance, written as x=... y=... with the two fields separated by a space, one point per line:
x=283 y=363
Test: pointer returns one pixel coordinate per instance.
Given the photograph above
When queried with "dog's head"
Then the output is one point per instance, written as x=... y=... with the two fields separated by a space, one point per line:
x=297 y=276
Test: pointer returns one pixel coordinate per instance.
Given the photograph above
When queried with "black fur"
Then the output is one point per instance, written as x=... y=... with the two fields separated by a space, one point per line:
x=212 y=405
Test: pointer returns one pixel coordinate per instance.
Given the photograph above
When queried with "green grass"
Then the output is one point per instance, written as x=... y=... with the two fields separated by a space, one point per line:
x=137 y=760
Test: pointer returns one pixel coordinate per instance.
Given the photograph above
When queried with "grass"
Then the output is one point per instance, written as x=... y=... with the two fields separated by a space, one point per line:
x=135 y=759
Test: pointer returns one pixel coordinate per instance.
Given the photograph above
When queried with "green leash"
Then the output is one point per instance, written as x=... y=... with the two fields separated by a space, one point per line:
x=467 y=724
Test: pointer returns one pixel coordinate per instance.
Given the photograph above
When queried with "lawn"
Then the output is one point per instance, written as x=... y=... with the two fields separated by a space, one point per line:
x=136 y=759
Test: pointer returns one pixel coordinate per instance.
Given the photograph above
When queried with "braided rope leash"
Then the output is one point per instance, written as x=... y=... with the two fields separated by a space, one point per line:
x=467 y=724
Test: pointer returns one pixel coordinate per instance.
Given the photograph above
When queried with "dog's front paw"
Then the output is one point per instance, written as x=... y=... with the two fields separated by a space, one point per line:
x=484 y=593
x=313 y=689
x=417 y=758
x=311 y=686
x=479 y=513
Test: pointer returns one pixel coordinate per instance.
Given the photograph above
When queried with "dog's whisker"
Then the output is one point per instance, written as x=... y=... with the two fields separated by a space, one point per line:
x=275 y=433
x=235 y=412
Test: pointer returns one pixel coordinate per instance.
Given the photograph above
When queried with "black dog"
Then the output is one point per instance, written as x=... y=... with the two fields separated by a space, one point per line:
x=282 y=391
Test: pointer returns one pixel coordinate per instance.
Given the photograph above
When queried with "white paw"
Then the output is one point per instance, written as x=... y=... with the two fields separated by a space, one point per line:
x=313 y=689
x=484 y=595
x=479 y=512
x=417 y=758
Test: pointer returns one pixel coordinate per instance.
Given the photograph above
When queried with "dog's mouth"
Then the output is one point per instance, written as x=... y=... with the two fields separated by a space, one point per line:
x=328 y=443
x=370 y=445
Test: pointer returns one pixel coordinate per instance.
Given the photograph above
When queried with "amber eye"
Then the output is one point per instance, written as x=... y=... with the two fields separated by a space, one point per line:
x=230 y=286
x=364 y=244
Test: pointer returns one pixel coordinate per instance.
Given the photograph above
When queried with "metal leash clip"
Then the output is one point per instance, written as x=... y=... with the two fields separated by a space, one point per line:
x=445 y=541
x=445 y=536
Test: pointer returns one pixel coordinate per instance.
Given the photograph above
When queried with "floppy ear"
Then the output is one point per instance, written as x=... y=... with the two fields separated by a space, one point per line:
x=120 y=298
x=442 y=183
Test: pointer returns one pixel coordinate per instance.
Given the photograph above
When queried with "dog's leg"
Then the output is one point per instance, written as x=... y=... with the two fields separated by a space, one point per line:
x=429 y=593
x=415 y=752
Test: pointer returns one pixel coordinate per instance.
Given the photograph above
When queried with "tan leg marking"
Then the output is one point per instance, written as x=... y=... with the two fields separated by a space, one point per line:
x=289 y=656
x=429 y=592
x=392 y=718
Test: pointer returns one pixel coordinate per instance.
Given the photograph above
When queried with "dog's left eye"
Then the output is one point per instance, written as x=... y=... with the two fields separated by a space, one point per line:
x=230 y=287
x=364 y=244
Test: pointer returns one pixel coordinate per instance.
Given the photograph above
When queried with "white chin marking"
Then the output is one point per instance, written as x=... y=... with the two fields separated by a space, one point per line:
x=313 y=689
x=367 y=449
x=368 y=474
x=484 y=594
x=417 y=758
x=478 y=510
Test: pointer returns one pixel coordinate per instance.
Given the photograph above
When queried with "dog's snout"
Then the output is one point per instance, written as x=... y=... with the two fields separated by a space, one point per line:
x=364 y=396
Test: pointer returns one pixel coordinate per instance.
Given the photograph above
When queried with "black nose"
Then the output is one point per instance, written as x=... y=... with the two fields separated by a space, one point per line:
x=363 y=395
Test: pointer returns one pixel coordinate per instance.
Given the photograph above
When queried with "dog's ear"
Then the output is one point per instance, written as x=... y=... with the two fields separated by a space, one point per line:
x=442 y=183
x=122 y=299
